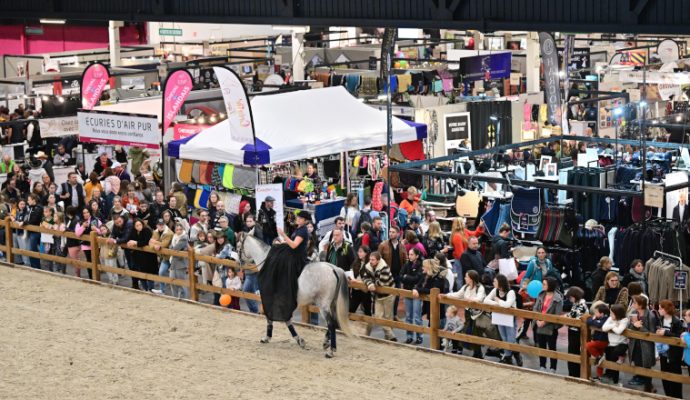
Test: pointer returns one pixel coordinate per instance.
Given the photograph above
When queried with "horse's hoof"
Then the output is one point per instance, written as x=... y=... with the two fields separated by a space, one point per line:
x=329 y=354
x=265 y=339
x=301 y=343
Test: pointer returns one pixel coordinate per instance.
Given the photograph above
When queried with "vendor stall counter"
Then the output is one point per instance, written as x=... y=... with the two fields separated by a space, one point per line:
x=324 y=210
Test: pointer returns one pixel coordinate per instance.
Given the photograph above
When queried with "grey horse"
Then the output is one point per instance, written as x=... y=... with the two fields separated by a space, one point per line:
x=320 y=283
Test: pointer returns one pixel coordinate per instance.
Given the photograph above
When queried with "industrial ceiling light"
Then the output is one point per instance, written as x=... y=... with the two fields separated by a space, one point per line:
x=52 y=21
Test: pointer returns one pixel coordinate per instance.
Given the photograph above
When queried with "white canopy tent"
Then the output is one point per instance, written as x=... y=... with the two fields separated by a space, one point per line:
x=298 y=125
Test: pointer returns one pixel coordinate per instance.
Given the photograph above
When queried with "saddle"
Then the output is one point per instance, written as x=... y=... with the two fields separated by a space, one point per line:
x=525 y=211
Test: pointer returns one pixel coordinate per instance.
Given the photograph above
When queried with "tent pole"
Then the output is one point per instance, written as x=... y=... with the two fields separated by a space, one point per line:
x=388 y=47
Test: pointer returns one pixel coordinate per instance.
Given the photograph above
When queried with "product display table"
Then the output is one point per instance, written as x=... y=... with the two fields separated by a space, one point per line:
x=326 y=209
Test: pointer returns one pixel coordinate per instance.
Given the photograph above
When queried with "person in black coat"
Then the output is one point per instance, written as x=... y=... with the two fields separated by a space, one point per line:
x=671 y=361
x=434 y=277
x=412 y=275
x=143 y=261
x=122 y=229
x=34 y=217
x=472 y=258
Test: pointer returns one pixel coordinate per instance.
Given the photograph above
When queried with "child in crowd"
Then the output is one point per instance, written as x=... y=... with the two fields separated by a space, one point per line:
x=618 y=344
x=109 y=252
x=47 y=239
x=233 y=282
x=59 y=242
x=600 y=340
x=453 y=325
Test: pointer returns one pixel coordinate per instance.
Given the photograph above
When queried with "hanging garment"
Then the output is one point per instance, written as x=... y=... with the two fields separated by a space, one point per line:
x=203 y=166
x=369 y=86
x=394 y=85
x=228 y=172
x=195 y=171
x=186 y=171
x=525 y=210
x=543 y=113
x=404 y=82
x=527 y=115
x=466 y=205
x=243 y=177
x=447 y=84
x=208 y=178
x=376 y=202
x=413 y=151
x=417 y=82
x=437 y=86
x=490 y=218
x=201 y=198
x=217 y=178
x=352 y=83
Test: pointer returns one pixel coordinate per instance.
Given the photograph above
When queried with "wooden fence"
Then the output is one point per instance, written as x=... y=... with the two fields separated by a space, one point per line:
x=435 y=299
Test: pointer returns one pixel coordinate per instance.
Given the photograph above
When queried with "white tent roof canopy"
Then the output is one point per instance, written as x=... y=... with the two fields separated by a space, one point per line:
x=299 y=125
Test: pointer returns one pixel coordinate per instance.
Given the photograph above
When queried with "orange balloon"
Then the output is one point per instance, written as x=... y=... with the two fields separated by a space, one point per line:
x=225 y=300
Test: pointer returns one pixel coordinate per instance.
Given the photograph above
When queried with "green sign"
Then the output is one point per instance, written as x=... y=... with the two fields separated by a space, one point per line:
x=33 y=30
x=169 y=32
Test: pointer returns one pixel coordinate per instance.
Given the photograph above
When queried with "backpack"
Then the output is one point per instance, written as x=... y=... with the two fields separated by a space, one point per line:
x=401 y=218
x=357 y=243
x=364 y=216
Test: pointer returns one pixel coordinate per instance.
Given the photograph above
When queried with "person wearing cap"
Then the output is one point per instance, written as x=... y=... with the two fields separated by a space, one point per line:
x=282 y=267
x=120 y=171
x=46 y=164
x=267 y=220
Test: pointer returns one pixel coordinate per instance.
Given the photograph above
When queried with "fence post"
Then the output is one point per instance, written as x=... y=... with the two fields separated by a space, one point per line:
x=95 y=256
x=434 y=318
x=8 y=240
x=304 y=311
x=191 y=258
x=585 y=369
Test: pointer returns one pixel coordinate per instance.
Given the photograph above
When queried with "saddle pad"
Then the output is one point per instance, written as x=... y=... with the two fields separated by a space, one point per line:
x=203 y=166
x=186 y=171
x=217 y=177
x=525 y=210
x=244 y=177
x=227 y=176
x=467 y=205
x=195 y=171
x=209 y=173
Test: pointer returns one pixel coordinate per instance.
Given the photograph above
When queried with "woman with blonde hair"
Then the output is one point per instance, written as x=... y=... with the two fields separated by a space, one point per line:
x=460 y=235
x=411 y=203
x=434 y=240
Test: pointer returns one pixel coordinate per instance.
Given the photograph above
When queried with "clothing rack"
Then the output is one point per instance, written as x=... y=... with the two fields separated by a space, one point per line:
x=679 y=262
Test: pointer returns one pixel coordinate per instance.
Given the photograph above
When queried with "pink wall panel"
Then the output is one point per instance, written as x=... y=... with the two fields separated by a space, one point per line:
x=56 y=38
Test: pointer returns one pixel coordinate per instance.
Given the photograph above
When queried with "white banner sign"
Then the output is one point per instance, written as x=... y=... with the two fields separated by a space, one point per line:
x=677 y=78
x=56 y=127
x=237 y=105
x=116 y=128
x=274 y=190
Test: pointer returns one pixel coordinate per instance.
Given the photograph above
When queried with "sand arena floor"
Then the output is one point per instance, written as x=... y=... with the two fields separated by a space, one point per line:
x=65 y=339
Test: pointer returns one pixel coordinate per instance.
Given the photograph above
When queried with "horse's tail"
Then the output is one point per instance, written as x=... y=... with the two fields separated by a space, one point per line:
x=343 y=303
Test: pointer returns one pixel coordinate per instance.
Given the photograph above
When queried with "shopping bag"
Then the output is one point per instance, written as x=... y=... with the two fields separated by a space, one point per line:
x=507 y=267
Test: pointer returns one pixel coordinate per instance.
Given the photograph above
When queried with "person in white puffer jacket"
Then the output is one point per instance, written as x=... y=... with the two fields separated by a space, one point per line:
x=618 y=344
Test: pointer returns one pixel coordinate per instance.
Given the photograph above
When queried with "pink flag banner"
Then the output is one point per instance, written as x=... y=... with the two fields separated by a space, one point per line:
x=93 y=81
x=237 y=105
x=177 y=87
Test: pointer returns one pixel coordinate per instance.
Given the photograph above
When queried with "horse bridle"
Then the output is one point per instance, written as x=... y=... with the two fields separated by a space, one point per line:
x=240 y=252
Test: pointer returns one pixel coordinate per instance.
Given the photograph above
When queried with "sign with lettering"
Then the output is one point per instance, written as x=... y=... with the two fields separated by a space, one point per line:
x=119 y=129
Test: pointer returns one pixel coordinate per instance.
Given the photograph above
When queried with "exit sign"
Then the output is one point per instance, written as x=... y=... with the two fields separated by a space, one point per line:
x=169 y=32
x=33 y=30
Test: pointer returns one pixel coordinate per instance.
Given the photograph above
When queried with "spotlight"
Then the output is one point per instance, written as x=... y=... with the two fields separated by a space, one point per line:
x=654 y=122
x=561 y=74
x=44 y=98
x=643 y=104
x=679 y=118
x=618 y=111
x=493 y=118
x=213 y=119
x=201 y=120
x=61 y=99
